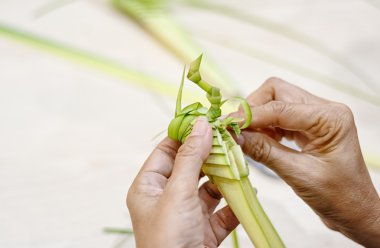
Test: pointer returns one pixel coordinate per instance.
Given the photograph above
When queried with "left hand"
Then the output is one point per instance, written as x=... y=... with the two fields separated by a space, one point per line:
x=167 y=208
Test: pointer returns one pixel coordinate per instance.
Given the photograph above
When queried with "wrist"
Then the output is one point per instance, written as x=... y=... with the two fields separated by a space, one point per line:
x=366 y=230
x=152 y=237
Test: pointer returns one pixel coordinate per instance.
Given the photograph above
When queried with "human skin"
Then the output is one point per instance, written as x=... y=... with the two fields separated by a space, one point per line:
x=329 y=173
x=166 y=206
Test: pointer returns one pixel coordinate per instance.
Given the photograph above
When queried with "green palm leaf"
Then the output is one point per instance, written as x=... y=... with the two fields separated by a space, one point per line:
x=154 y=18
x=93 y=61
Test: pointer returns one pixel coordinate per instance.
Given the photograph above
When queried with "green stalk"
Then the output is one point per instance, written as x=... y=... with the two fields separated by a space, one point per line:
x=118 y=230
x=371 y=159
x=118 y=70
x=230 y=174
x=235 y=239
x=226 y=166
x=94 y=61
x=153 y=17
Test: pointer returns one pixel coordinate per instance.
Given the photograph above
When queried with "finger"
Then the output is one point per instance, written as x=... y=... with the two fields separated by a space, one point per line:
x=276 y=89
x=153 y=175
x=209 y=196
x=201 y=174
x=273 y=132
x=269 y=152
x=191 y=156
x=223 y=222
x=161 y=160
x=288 y=116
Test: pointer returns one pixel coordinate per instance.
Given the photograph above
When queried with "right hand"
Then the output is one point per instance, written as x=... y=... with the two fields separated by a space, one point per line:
x=329 y=173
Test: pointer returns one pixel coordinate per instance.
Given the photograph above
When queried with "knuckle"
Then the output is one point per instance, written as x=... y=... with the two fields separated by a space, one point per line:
x=273 y=81
x=189 y=150
x=212 y=190
x=344 y=110
x=278 y=107
x=221 y=219
x=341 y=115
x=167 y=149
x=258 y=149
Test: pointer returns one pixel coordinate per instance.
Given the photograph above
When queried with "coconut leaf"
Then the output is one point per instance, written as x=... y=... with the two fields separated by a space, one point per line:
x=93 y=61
x=226 y=166
x=127 y=231
x=155 y=19
x=235 y=239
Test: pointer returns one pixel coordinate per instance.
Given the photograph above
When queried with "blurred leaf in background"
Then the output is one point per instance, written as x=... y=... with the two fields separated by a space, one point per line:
x=155 y=18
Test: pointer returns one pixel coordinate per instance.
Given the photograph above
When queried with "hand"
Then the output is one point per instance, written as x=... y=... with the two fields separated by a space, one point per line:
x=167 y=208
x=329 y=174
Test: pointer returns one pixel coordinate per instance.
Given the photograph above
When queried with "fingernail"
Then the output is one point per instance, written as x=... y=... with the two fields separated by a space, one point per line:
x=200 y=127
x=237 y=114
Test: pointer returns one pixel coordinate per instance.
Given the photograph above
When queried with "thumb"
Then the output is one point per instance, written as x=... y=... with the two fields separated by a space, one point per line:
x=192 y=154
x=269 y=152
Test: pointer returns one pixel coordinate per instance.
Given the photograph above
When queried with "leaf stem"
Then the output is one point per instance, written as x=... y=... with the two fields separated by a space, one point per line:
x=235 y=239
x=118 y=230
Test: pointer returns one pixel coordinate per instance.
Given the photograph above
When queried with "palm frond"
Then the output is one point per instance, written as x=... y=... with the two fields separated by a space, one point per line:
x=155 y=19
x=93 y=61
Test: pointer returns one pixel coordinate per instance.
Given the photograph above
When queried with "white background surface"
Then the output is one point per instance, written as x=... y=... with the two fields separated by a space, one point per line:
x=72 y=139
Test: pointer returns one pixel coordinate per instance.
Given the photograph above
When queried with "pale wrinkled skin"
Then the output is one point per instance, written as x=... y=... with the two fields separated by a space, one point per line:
x=166 y=206
x=329 y=174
